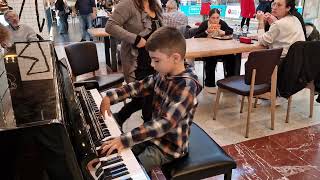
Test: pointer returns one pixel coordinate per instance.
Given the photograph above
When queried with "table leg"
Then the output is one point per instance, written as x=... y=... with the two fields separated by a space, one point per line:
x=237 y=65
x=113 y=46
x=106 y=50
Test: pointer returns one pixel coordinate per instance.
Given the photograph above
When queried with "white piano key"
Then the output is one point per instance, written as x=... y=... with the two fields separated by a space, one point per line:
x=134 y=168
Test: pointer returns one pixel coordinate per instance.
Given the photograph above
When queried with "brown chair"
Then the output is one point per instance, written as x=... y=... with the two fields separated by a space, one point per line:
x=83 y=59
x=260 y=78
x=311 y=87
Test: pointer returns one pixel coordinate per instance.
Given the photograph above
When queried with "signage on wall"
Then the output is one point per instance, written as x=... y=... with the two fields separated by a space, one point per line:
x=233 y=11
x=225 y=11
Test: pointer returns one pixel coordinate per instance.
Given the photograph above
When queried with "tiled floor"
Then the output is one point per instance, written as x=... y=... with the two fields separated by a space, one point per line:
x=291 y=151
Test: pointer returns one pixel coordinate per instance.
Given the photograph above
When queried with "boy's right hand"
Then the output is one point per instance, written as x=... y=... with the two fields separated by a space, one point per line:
x=105 y=106
x=141 y=43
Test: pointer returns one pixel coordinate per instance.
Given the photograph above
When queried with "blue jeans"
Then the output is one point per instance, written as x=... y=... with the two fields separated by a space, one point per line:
x=85 y=24
x=63 y=22
x=150 y=156
x=49 y=18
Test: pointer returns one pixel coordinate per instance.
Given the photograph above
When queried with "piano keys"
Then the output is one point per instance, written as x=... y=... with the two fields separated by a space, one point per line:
x=125 y=157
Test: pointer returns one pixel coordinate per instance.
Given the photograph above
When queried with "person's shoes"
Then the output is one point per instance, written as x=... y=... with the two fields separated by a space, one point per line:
x=211 y=90
x=91 y=39
x=82 y=40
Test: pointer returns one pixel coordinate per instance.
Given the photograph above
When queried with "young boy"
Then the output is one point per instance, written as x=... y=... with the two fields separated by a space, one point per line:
x=175 y=88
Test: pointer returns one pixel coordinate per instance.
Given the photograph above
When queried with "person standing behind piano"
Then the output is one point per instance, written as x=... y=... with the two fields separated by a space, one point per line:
x=132 y=22
x=175 y=89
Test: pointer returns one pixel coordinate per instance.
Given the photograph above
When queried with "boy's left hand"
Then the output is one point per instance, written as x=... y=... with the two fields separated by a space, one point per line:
x=112 y=145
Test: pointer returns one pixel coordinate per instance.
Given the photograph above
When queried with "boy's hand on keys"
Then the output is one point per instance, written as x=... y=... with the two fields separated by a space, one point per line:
x=112 y=145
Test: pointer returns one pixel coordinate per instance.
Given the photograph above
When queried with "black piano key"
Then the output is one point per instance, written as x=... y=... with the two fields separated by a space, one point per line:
x=98 y=143
x=120 y=174
x=106 y=131
x=106 y=134
x=103 y=125
x=110 y=159
x=129 y=179
x=115 y=172
x=99 y=171
x=105 y=153
x=113 y=168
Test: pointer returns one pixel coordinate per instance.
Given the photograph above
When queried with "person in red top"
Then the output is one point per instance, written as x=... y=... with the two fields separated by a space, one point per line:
x=205 y=8
x=248 y=11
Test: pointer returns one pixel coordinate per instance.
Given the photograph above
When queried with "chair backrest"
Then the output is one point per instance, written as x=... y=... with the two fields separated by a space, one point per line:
x=264 y=62
x=312 y=32
x=82 y=57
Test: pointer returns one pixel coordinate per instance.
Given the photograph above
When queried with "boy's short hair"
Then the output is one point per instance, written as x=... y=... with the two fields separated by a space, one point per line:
x=167 y=40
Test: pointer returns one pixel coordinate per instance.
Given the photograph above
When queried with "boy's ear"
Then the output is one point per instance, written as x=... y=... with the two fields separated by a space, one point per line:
x=176 y=57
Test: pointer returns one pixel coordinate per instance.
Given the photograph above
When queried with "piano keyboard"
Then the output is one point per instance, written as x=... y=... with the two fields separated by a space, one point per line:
x=123 y=165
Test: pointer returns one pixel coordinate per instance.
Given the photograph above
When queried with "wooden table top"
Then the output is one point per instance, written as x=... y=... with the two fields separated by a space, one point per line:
x=98 y=32
x=205 y=47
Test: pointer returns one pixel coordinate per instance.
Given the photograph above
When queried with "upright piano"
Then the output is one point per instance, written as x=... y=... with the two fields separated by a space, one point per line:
x=51 y=130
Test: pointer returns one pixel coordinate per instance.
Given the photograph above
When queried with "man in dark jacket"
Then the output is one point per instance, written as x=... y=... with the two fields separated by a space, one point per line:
x=87 y=11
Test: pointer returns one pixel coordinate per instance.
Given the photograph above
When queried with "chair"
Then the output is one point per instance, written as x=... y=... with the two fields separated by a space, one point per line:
x=299 y=70
x=83 y=59
x=311 y=87
x=260 y=78
x=204 y=159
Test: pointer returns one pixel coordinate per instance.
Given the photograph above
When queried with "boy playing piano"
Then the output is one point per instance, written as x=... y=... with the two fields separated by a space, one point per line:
x=175 y=89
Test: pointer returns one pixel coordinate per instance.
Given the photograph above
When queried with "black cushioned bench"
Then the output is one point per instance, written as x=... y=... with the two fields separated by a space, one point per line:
x=205 y=159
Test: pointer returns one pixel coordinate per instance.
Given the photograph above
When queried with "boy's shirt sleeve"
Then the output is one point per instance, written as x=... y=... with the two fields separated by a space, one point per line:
x=183 y=101
x=134 y=89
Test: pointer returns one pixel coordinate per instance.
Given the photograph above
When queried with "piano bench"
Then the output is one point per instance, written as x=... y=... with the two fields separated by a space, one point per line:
x=205 y=159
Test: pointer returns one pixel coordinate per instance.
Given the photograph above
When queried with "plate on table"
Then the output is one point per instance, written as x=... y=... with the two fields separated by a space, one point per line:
x=223 y=37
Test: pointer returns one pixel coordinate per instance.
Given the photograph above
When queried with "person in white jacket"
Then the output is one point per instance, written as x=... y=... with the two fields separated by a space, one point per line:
x=285 y=28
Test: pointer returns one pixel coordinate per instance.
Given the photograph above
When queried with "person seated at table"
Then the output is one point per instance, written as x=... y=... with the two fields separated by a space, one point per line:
x=214 y=26
x=173 y=17
x=285 y=28
x=19 y=32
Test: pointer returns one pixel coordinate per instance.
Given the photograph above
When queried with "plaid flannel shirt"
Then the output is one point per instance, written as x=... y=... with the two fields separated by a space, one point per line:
x=174 y=105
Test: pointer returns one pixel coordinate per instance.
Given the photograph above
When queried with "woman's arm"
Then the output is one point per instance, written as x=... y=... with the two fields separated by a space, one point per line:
x=224 y=27
x=201 y=32
x=121 y=14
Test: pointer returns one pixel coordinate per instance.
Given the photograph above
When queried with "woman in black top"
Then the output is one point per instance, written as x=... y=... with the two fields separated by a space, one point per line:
x=139 y=19
x=214 y=26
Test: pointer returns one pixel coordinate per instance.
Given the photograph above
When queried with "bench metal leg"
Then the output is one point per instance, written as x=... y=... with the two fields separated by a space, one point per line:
x=227 y=176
